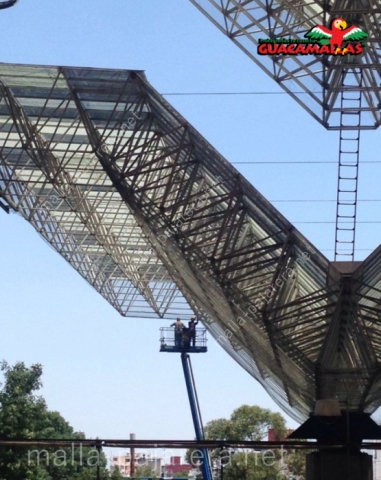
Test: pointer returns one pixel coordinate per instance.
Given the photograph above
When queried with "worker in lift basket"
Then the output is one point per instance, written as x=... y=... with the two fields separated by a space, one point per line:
x=192 y=330
x=178 y=331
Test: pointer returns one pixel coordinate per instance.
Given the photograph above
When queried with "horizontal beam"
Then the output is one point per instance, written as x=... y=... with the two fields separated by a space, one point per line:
x=208 y=444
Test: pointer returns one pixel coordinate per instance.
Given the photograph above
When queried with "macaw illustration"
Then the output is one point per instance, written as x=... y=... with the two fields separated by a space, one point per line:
x=338 y=34
x=8 y=4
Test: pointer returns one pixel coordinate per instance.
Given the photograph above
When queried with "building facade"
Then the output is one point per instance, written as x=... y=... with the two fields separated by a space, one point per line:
x=175 y=465
x=123 y=463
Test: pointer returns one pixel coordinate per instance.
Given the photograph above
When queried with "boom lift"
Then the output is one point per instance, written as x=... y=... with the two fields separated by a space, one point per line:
x=171 y=344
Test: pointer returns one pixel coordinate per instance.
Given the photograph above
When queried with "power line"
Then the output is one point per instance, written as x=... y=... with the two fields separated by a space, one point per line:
x=298 y=162
x=187 y=94
x=321 y=201
x=332 y=222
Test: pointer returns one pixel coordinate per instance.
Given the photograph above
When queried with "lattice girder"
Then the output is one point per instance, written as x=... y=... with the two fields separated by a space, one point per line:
x=70 y=184
x=313 y=81
x=156 y=220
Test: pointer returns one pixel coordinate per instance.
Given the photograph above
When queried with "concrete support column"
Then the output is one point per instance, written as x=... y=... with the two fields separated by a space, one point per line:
x=339 y=465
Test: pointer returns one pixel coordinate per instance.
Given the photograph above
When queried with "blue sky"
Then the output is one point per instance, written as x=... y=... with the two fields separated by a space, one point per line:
x=104 y=372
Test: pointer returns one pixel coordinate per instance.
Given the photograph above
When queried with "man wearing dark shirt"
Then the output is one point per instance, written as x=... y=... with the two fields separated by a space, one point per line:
x=192 y=330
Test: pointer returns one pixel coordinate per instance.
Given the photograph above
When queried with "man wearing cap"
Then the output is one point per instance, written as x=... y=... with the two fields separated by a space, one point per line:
x=192 y=330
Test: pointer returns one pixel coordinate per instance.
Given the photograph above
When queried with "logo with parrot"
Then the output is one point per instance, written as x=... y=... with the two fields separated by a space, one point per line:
x=340 y=39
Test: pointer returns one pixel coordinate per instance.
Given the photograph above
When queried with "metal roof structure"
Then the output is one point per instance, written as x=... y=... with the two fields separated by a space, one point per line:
x=160 y=224
x=319 y=77
x=342 y=92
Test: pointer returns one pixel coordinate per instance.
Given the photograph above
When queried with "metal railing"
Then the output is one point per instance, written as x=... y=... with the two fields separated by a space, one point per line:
x=172 y=340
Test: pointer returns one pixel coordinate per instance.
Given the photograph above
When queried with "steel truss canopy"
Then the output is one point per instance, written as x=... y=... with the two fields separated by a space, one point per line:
x=315 y=82
x=160 y=224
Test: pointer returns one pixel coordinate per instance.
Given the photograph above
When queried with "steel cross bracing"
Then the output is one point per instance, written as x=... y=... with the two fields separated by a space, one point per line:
x=52 y=177
x=160 y=224
x=318 y=78
x=316 y=82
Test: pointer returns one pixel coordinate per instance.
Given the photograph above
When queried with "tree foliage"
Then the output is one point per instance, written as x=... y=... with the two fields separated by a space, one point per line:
x=144 y=471
x=296 y=462
x=183 y=474
x=252 y=466
x=246 y=423
x=116 y=475
x=25 y=416
x=250 y=423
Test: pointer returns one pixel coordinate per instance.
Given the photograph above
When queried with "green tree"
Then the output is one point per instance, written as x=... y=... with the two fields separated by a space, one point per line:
x=253 y=423
x=220 y=429
x=115 y=474
x=24 y=415
x=252 y=466
x=296 y=462
x=144 y=471
x=183 y=474
x=245 y=423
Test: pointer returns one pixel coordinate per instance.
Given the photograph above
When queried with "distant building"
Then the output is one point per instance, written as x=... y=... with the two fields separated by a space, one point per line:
x=176 y=466
x=123 y=463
